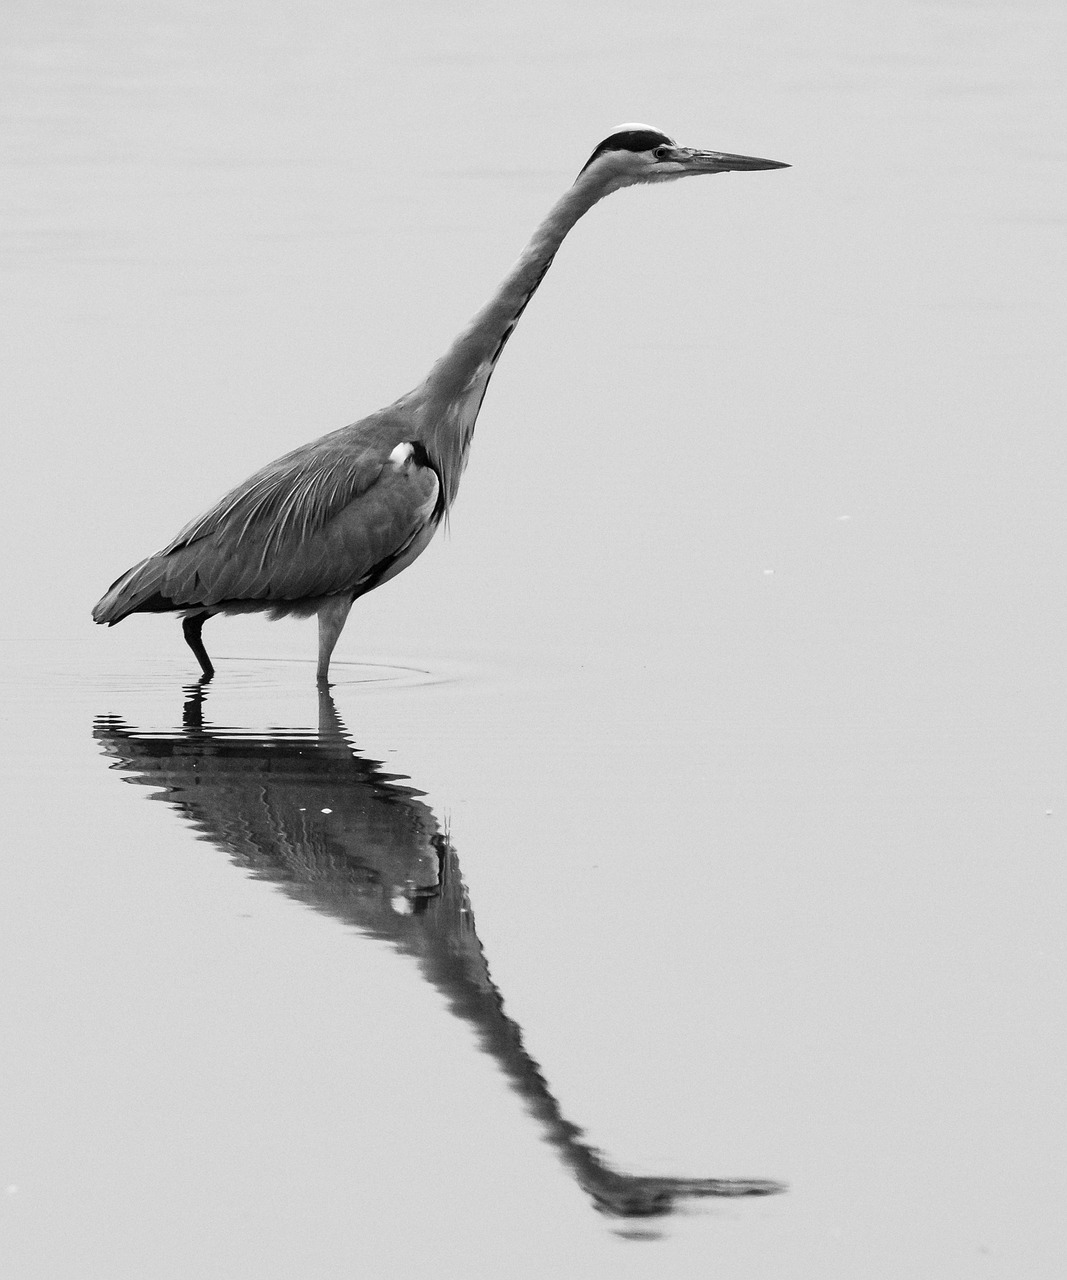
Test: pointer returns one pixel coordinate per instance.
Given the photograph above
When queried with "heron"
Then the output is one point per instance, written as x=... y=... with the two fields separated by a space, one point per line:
x=321 y=526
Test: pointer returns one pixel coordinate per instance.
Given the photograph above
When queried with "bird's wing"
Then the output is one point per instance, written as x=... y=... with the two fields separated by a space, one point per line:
x=315 y=536
x=334 y=516
x=294 y=495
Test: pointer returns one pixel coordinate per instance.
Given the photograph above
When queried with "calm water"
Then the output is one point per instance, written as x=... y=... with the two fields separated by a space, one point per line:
x=695 y=809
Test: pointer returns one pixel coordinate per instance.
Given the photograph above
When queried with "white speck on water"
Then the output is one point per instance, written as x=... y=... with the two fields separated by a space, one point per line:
x=843 y=519
x=768 y=573
x=325 y=811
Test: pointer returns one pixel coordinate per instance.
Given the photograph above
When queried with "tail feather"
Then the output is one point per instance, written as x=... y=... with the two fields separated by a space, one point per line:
x=137 y=591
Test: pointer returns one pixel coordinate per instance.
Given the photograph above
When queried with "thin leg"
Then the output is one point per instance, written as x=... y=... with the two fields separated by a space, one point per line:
x=191 y=628
x=332 y=618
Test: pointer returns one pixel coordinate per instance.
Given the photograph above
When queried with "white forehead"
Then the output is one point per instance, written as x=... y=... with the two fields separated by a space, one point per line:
x=634 y=126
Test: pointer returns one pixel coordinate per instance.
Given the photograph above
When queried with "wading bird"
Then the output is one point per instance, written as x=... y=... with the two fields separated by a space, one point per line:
x=325 y=524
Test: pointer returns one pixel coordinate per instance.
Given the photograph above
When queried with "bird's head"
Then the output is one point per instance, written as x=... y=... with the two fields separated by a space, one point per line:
x=634 y=153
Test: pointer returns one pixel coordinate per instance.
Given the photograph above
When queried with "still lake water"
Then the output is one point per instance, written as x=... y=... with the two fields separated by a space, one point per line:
x=697 y=807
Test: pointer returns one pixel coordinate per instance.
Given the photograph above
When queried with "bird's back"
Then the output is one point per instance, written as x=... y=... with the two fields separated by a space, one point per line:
x=329 y=517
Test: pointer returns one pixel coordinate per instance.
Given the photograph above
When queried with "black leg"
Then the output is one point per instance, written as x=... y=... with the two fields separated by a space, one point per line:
x=191 y=628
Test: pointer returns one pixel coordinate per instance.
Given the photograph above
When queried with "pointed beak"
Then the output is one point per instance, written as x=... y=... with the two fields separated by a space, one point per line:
x=695 y=161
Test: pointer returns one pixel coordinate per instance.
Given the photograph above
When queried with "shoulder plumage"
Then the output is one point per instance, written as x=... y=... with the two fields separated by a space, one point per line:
x=298 y=493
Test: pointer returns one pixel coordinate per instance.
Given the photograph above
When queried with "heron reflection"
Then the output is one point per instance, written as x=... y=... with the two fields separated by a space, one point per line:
x=305 y=810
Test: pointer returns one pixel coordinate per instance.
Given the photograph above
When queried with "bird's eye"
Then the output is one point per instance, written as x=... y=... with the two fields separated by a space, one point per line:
x=661 y=153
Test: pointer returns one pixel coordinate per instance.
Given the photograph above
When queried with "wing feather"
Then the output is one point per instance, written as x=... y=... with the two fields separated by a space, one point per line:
x=333 y=516
x=295 y=494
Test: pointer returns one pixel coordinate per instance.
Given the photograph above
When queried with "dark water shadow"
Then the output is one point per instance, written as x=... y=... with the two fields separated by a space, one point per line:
x=304 y=810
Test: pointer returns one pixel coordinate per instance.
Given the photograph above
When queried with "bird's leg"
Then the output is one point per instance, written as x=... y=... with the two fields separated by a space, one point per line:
x=333 y=614
x=191 y=628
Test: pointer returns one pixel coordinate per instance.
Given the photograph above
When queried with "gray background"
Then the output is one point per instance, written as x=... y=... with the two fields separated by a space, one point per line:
x=744 y=695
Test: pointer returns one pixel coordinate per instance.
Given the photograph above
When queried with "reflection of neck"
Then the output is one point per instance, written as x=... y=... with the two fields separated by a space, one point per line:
x=451 y=395
x=452 y=959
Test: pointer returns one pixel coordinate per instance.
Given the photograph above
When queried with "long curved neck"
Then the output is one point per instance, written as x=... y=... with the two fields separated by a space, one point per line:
x=451 y=394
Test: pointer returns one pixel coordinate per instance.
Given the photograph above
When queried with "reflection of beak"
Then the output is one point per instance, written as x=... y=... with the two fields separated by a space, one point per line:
x=720 y=161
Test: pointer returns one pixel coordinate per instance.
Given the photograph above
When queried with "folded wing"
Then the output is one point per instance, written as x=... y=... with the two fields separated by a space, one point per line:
x=327 y=519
